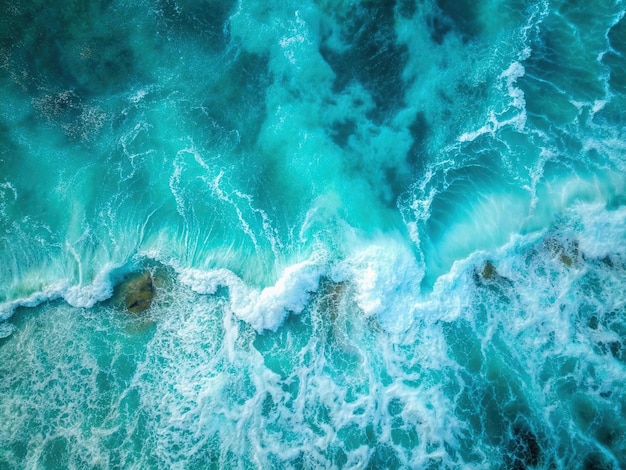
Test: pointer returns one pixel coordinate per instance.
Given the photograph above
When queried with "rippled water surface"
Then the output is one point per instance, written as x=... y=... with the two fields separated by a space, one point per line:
x=372 y=234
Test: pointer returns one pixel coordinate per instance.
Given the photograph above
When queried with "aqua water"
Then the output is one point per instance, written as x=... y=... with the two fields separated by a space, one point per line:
x=383 y=234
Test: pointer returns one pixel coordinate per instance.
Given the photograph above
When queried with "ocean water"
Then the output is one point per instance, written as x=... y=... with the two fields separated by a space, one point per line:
x=383 y=234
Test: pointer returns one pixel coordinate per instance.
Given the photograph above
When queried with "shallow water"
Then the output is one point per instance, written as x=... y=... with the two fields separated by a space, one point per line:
x=382 y=234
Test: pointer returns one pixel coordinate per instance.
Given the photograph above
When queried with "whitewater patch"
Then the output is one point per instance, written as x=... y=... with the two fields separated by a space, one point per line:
x=266 y=308
x=79 y=296
x=386 y=277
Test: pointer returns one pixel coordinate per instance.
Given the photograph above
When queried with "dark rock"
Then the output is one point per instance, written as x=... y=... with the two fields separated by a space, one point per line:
x=489 y=271
x=136 y=292
x=486 y=275
x=567 y=253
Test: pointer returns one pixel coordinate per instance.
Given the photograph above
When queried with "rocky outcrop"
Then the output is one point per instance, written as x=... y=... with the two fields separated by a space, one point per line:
x=136 y=292
x=489 y=271
x=567 y=253
x=488 y=276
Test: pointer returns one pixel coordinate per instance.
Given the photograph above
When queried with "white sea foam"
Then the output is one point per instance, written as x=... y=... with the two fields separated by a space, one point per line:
x=384 y=273
x=79 y=295
x=329 y=389
x=51 y=292
x=139 y=95
x=597 y=230
x=86 y=296
x=269 y=231
x=263 y=308
x=4 y=191
x=134 y=153
x=386 y=277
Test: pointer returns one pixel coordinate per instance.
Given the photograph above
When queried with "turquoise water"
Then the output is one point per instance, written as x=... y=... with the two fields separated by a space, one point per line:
x=383 y=234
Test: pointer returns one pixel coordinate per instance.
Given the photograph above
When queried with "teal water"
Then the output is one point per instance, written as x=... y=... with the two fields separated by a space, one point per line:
x=383 y=234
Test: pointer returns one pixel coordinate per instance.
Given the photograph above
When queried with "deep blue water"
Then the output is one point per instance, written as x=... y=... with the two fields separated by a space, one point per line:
x=382 y=234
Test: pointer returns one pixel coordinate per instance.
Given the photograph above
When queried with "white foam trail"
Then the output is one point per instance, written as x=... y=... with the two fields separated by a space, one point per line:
x=174 y=183
x=384 y=272
x=271 y=233
x=86 y=296
x=323 y=212
x=127 y=142
x=223 y=196
x=515 y=71
x=508 y=79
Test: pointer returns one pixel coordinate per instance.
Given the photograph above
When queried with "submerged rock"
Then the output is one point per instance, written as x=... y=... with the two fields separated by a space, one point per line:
x=136 y=293
x=486 y=274
x=489 y=271
x=566 y=253
x=330 y=295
